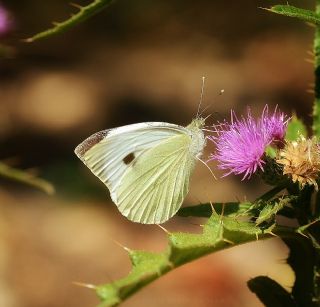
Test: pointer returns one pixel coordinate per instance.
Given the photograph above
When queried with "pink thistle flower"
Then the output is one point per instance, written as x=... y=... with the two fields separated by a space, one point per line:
x=241 y=144
x=5 y=21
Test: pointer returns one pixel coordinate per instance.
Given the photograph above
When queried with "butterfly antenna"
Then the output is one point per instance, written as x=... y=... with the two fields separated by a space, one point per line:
x=205 y=109
x=210 y=105
x=201 y=96
x=207 y=166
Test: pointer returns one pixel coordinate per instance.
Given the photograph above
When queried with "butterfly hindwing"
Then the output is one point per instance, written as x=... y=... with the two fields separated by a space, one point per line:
x=154 y=188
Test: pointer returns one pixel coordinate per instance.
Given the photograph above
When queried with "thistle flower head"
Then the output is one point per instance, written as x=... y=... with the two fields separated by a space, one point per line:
x=301 y=161
x=240 y=144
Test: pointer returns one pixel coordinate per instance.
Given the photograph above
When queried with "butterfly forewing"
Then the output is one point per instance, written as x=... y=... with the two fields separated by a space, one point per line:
x=109 y=153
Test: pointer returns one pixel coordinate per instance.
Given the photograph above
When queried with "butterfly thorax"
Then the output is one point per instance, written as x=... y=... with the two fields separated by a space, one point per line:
x=198 y=140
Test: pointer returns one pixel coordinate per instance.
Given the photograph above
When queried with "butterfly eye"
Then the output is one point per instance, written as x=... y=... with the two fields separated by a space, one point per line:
x=128 y=158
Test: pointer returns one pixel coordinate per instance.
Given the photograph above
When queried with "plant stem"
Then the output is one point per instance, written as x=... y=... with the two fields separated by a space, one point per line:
x=83 y=14
x=25 y=178
x=316 y=49
x=316 y=130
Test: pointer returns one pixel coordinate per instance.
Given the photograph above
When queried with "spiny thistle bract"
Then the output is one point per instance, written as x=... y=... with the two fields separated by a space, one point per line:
x=301 y=161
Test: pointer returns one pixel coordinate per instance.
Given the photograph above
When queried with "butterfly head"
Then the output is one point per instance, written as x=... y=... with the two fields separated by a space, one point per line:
x=197 y=124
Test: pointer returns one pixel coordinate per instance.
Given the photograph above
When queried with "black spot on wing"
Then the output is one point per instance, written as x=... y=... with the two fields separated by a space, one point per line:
x=128 y=158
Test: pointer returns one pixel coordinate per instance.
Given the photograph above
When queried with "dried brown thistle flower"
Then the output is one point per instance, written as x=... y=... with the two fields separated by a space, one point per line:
x=301 y=161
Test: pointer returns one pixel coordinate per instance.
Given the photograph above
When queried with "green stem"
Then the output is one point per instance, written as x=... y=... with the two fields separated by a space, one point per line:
x=316 y=128
x=316 y=49
x=25 y=178
x=83 y=14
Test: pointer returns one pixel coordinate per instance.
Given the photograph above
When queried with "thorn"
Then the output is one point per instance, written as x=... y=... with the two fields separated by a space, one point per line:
x=264 y=8
x=27 y=40
x=228 y=241
x=194 y=224
x=222 y=213
x=78 y=6
x=124 y=247
x=165 y=230
x=310 y=24
x=273 y=234
x=311 y=53
x=304 y=227
x=311 y=61
x=310 y=91
x=299 y=231
x=81 y=284
x=212 y=208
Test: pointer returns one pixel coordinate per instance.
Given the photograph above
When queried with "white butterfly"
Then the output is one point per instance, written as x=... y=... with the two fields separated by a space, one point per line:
x=146 y=166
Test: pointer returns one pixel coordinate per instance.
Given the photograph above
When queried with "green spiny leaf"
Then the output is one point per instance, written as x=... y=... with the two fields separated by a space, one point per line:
x=271 y=208
x=83 y=14
x=218 y=233
x=227 y=209
x=146 y=267
x=296 y=128
x=205 y=210
x=270 y=292
x=292 y=11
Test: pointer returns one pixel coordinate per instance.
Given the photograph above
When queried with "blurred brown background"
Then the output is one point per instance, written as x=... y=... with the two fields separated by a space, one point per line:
x=136 y=61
